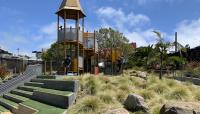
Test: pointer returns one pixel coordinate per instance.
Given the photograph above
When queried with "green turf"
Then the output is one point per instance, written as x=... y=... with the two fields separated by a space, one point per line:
x=56 y=92
x=52 y=91
x=17 y=96
x=43 y=108
x=3 y=109
x=26 y=92
x=9 y=102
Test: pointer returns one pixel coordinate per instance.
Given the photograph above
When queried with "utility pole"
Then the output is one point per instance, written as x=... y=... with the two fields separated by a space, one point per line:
x=176 y=41
x=18 y=51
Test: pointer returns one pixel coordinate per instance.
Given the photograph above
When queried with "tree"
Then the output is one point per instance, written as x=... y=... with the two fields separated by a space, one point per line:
x=141 y=56
x=161 y=48
x=56 y=53
x=108 y=38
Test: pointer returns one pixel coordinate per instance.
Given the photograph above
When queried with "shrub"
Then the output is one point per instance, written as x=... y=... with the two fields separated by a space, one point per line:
x=92 y=85
x=171 y=83
x=87 y=105
x=156 y=110
x=104 y=79
x=159 y=88
x=121 y=96
x=3 y=72
x=108 y=87
x=125 y=87
x=146 y=94
x=179 y=93
x=106 y=97
x=197 y=95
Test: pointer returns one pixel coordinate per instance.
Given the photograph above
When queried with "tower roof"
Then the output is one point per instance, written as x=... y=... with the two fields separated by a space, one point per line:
x=72 y=8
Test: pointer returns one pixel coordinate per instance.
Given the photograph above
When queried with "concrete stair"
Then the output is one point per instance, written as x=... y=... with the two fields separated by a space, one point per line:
x=8 y=104
x=35 y=84
x=15 y=98
x=23 y=93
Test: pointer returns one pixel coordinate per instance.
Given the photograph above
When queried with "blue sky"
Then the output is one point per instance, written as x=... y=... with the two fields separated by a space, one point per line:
x=31 y=24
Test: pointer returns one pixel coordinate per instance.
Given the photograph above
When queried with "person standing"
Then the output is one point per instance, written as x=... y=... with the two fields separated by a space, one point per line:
x=67 y=63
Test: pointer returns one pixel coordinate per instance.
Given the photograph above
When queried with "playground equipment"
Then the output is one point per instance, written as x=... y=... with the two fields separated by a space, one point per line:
x=78 y=45
x=113 y=61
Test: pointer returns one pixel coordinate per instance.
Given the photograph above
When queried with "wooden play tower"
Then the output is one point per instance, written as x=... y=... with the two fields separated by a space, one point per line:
x=78 y=45
x=72 y=37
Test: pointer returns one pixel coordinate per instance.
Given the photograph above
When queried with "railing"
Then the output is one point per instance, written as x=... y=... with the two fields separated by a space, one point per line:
x=31 y=72
x=70 y=35
x=80 y=60
x=89 y=43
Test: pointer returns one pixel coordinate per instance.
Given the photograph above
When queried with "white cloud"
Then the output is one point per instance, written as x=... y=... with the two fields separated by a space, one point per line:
x=127 y=24
x=189 y=32
x=28 y=41
x=49 y=29
x=119 y=19
x=143 y=2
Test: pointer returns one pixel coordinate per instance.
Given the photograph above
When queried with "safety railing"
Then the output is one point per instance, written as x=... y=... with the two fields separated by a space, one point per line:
x=70 y=35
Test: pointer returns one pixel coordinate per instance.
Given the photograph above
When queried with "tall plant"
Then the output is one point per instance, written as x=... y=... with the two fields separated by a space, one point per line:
x=161 y=48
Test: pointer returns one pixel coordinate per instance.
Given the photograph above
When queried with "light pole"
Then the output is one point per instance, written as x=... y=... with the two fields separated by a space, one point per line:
x=18 y=51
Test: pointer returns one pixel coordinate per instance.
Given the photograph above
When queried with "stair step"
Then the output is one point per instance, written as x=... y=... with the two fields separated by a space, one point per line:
x=19 y=92
x=46 y=77
x=3 y=109
x=4 y=81
x=35 y=84
x=8 y=103
x=40 y=80
x=28 y=88
x=14 y=98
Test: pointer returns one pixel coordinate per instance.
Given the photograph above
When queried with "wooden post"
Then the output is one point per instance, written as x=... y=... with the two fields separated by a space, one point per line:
x=77 y=29
x=64 y=39
x=51 y=67
x=83 y=43
x=58 y=25
x=45 y=67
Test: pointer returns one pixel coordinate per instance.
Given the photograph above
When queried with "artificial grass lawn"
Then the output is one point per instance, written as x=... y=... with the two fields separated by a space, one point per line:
x=22 y=91
x=43 y=108
x=9 y=102
x=2 y=109
x=17 y=96
x=52 y=91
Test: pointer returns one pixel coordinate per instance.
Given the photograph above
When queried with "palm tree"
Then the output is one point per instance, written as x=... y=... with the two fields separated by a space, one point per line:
x=161 y=47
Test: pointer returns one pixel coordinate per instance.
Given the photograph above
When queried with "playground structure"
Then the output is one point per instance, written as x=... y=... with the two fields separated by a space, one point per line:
x=113 y=61
x=80 y=46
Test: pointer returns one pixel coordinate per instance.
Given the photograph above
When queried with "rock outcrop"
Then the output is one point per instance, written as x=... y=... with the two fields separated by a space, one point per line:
x=135 y=103
x=181 y=108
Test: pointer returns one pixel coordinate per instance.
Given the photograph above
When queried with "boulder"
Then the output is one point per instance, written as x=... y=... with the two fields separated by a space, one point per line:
x=135 y=103
x=142 y=75
x=117 y=111
x=181 y=108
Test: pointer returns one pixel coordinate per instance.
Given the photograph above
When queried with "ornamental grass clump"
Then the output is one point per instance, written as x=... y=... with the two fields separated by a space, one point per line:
x=106 y=97
x=121 y=96
x=92 y=85
x=159 y=88
x=87 y=105
x=147 y=94
x=197 y=95
x=179 y=93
